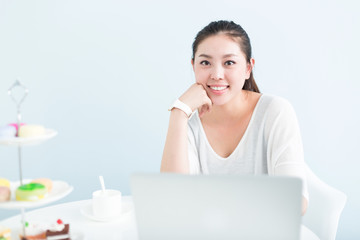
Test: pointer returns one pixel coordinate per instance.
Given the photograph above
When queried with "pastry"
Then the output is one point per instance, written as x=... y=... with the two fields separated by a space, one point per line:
x=7 y=131
x=5 y=233
x=5 y=192
x=15 y=125
x=31 y=192
x=44 y=181
x=31 y=131
x=46 y=231
x=4 y=182
x=34 y=232
x=58 y=229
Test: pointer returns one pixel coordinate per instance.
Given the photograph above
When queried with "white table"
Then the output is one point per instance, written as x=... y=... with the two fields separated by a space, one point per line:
x=123 y=228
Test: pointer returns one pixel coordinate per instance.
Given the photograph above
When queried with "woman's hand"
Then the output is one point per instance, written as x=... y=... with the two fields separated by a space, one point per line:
x=196 y=98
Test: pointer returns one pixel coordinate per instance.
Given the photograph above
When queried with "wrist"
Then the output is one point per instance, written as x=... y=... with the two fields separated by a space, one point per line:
x=178 y=113
x=179 y=105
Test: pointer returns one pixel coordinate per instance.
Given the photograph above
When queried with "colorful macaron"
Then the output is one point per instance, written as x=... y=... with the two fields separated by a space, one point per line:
x=31 y=192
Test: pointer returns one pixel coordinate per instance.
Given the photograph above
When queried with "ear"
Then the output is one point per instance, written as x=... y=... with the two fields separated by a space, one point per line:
x=250 y=67
x=192 y=63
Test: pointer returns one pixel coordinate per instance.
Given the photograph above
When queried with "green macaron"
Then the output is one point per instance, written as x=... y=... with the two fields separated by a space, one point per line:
x=31 y=192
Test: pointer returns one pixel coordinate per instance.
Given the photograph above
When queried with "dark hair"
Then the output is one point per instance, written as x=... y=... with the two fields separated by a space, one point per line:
x=235 y=31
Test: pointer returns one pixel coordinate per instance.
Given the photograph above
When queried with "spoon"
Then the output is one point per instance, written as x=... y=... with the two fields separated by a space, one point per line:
x=102 y=183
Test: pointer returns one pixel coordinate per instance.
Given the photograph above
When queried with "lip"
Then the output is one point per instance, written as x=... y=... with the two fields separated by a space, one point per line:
x=218 y=92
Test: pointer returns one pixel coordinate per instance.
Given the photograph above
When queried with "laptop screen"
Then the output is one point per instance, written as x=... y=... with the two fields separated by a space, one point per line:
x=175 y=206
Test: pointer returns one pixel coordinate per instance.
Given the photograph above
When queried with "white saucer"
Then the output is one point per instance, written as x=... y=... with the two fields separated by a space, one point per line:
x=88 y=212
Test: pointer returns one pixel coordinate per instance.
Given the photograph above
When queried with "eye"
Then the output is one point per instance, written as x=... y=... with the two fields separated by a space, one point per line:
x=205 y=63
x=228 y=63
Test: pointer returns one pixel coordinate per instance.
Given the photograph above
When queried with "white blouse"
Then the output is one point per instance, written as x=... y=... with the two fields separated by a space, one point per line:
x=270 y=145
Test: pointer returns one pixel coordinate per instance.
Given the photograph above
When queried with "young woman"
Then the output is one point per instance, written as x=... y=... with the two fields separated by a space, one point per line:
x=222 y=123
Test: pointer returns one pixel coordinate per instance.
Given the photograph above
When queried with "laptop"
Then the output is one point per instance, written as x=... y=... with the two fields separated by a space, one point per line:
x=174 y=206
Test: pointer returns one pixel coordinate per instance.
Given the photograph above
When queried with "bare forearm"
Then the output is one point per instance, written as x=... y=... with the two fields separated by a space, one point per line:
x=175 y=155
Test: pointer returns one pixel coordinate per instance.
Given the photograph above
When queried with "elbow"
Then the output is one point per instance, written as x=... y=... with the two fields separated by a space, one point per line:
x=304 y=206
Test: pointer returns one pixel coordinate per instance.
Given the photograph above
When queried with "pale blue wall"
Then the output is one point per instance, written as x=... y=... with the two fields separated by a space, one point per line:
x=102 y=73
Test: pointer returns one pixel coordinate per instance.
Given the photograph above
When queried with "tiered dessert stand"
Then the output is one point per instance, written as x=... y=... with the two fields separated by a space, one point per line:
x=59 y=190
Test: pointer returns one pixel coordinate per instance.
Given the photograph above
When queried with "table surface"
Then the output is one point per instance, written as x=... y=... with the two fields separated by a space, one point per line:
x=122 y=228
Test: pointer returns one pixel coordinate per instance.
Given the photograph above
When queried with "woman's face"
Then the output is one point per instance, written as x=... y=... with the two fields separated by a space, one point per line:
x=220 y=66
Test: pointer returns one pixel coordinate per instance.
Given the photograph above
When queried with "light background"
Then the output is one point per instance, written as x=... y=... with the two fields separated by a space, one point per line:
x=103 y=73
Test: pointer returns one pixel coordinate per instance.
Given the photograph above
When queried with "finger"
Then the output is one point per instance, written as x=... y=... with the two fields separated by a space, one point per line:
x=201 y=87
x=202 y=110
x=209 y=104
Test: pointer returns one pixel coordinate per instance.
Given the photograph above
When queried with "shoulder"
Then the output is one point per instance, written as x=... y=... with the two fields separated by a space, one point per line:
x=274 y=105
x=277 y=111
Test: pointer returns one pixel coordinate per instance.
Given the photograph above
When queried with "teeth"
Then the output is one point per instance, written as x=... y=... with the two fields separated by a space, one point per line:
x=218 y=88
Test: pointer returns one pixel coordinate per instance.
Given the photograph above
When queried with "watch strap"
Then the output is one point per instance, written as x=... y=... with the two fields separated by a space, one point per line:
x=182 y=106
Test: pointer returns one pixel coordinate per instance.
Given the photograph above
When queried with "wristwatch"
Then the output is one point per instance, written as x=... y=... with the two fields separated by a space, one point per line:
x=182 y=106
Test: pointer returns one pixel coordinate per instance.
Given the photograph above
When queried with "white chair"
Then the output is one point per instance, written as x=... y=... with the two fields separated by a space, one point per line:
x=325 y=206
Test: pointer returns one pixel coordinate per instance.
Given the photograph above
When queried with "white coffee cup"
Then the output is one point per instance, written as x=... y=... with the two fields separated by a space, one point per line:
x=106 y=204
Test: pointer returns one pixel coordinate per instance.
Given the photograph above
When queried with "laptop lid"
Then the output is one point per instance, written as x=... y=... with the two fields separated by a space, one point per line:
x=175 y=206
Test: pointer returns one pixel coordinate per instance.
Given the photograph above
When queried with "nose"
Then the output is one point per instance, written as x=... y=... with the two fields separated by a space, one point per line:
x=217 y=73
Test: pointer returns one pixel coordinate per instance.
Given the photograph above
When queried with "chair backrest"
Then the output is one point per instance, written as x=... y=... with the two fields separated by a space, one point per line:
x=325 y=206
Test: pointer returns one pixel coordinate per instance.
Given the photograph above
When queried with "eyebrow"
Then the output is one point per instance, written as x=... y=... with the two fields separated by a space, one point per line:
x=225 y=56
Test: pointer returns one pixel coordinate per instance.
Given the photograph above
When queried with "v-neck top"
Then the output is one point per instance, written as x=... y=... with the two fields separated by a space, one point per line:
x=270 y=145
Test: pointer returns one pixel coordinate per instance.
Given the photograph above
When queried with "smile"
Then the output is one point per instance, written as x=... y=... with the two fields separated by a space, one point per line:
x=218 y=90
